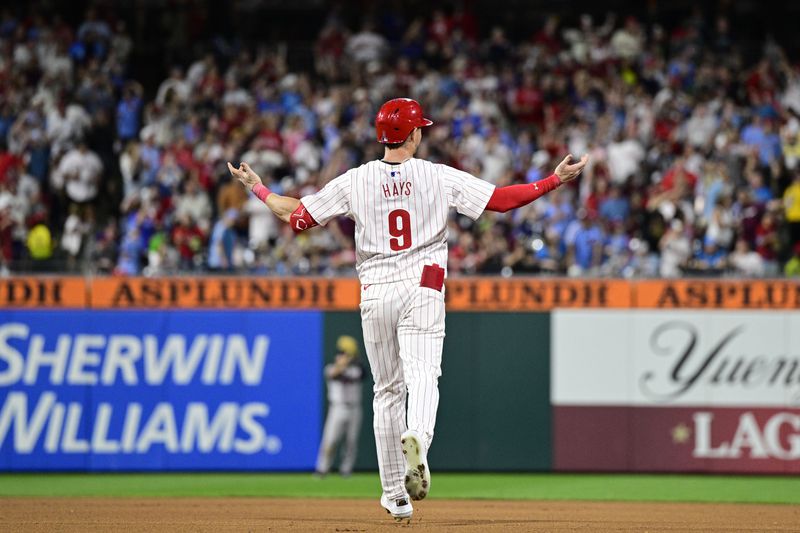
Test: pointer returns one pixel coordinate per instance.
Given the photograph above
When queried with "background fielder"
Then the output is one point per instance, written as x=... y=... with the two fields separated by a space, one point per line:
x=343 y=378
x=400 y=206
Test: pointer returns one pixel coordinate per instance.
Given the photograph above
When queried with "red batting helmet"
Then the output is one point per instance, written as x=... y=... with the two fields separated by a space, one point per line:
x=397 y=119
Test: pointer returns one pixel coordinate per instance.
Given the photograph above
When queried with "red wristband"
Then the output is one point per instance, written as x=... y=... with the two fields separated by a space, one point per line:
x=261 y=191
x=551 y=182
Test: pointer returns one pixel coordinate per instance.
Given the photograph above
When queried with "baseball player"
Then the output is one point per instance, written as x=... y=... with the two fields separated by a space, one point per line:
x=400 y=206
x=344 y=377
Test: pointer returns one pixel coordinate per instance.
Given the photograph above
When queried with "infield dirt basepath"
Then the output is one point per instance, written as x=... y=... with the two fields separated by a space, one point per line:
x=272 y=514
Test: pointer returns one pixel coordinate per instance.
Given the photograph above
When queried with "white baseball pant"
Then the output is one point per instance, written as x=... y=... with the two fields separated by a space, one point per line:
x=403 y=326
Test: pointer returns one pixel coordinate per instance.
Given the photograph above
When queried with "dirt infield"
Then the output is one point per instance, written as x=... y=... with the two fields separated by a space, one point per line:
x=258 y=514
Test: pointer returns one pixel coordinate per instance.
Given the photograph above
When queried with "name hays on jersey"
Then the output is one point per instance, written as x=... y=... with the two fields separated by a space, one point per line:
x=401 y=188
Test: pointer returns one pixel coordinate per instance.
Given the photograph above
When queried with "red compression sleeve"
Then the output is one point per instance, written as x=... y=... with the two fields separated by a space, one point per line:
x=513 y=196
x=261 y=191
x=301 y=219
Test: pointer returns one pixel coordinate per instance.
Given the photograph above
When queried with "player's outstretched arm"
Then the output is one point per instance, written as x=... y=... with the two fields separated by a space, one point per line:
x=512 y=196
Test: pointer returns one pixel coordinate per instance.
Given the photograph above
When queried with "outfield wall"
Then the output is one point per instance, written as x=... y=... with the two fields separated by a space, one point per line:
x=538 y=374
x=689 y=390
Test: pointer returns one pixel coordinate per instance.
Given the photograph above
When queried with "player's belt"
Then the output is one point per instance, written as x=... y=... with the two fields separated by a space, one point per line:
x=432 y=277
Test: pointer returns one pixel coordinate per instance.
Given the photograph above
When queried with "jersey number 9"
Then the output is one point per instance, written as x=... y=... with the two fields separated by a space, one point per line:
x=400 y=230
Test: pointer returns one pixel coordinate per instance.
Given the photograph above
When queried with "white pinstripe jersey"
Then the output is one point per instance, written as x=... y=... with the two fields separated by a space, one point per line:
x=400 y=211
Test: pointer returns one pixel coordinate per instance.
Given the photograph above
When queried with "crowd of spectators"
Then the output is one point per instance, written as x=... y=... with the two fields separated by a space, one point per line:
x=694 y=169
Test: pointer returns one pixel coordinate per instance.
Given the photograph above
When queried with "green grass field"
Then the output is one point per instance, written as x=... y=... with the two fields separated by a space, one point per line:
x=676 y=488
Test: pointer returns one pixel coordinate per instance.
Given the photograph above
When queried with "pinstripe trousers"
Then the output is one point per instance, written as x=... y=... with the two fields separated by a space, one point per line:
x=403 y=326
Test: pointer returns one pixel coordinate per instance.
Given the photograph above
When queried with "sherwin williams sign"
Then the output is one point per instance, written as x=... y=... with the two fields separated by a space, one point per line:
x=157 y=390
x=676 y=390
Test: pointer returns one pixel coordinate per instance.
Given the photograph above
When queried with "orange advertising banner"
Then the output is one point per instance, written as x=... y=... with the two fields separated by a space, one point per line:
x=43 y=292
x=463 y=294
x=225 y=292
x=718 y=294
x=534 y=294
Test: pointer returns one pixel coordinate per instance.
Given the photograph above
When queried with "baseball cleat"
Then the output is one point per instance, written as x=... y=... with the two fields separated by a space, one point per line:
x=400 y=509
x=418 y=475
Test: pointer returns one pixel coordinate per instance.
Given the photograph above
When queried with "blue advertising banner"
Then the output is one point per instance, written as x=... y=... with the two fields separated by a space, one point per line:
x=160 y=390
